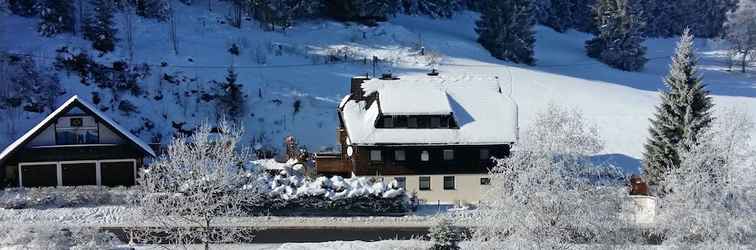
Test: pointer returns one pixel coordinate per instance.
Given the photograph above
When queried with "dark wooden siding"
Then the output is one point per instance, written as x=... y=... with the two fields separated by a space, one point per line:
x=95 y=152
x=466 y=160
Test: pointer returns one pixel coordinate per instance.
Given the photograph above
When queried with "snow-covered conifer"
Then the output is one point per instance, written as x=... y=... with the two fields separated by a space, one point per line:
x=505 y=29
x=230 y=97
x=55 y=17
x=682 y=115
x=99 y=27
x=157 y=9
x=433 y=8
x=741 y=32
x=198 y=180
x=548 y=191
x=23 y=7
x=620 y=34
x=709 y=201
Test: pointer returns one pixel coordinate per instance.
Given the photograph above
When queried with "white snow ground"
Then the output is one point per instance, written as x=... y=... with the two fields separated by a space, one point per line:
x=618 y=102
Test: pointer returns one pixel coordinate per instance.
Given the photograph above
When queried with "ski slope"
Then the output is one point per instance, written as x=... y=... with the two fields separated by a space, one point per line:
x=278 y=69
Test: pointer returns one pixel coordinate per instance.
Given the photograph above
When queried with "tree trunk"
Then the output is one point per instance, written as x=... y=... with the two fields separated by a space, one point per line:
x=743 y=61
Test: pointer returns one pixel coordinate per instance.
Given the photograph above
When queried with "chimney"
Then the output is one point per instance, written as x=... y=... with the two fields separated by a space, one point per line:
x=357 y=92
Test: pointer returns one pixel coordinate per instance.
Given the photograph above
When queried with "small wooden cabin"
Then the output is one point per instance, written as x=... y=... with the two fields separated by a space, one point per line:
x=75 y=145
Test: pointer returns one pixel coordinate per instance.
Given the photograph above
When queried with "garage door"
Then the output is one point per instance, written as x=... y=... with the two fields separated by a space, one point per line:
x=39 y=175
x=117 y=173
x=79 y=174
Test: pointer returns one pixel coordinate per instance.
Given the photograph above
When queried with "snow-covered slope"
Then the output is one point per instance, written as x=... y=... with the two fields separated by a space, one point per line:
x=278 y=69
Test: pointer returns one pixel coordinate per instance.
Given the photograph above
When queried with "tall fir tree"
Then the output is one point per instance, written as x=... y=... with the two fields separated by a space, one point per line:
x=685 y=111
x=56 y=17
x=362 y=10
x=620 y=34
x=23 y=7
x=505 y=29
x=99 y=27
x=230 y=97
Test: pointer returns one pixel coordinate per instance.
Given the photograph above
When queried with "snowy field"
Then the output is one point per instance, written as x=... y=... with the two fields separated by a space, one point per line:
x=278 y=69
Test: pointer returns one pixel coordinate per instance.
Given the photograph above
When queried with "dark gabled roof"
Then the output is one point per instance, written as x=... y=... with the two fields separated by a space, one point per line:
x=74 y=101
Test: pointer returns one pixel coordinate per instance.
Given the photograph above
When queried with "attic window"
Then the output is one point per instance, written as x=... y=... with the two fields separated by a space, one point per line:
x=76 y=130
x=412 y=122
x=388 y=122
x=425 y=156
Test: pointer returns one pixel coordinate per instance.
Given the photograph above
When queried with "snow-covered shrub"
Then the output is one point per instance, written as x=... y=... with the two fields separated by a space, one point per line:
x=199 y=179
x=53 y=237
x=52 y=197
x=444 y=235
x=710 y=199
x=291 y=192
x=548 y=194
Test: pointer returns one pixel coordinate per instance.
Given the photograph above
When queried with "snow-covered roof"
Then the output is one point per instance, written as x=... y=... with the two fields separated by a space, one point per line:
x=64 y=107
x=484 y=115
x=427 y=98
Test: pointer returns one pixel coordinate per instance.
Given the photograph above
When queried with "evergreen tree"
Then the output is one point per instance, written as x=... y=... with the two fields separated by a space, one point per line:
x=682 y=115
x=362 y=10
x=432 y=8
x=157 y=9
x=620 y=34
x=23 y=7
x=99 y=27
x=230 y=97
x=56 y=17
x=556 y=14
x=582 y=15
x=505 y=29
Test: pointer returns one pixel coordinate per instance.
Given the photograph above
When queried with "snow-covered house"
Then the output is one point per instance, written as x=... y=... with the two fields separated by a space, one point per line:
x=435 y=135
x=75 y=145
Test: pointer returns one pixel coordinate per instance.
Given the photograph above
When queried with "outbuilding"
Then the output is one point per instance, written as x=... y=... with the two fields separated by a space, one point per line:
x=73 y=146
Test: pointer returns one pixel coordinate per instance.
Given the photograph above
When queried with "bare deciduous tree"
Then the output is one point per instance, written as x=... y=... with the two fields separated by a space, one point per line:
x=741 y=32
x=199 y=180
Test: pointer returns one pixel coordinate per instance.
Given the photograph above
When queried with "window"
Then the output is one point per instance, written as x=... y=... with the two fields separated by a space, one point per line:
x=484 y=154
x=423 y=122
x=76 y=130
x=388 y=122
x=412 y=122
x=399 y=155
x=401 y=182
x=425 y=183
x=435 y=122
x=448 y=182
x=425 y=156
x=485 y=181
x=375 y=155
x=448 y=154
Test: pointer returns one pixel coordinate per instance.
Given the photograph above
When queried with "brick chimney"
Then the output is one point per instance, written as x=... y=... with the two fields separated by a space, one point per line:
x=357 y=93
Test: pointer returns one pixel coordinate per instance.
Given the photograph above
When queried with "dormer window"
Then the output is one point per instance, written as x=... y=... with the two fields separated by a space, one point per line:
x=388 y=122
x=74 y=130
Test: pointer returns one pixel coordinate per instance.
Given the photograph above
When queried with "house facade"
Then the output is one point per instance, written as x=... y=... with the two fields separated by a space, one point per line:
x=435 y=136
x=73 y=146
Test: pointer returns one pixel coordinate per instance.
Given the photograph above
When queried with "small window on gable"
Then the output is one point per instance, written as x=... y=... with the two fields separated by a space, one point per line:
x=375 y=155
x=388 y=121
x=412 y=122
x=448 y=154
x=485 y=154
x=435 y=122
x=399 y=155
x=425 y=156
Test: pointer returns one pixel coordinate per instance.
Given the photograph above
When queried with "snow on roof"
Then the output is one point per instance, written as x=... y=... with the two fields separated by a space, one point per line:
x=427 y=98
x=484 y=115
x=41 y=125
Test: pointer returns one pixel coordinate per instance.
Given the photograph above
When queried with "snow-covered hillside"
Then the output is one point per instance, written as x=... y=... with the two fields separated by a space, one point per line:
x=305 y=65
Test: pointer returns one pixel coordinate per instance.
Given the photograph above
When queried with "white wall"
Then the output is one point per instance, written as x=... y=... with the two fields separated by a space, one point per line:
x=467 y=188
